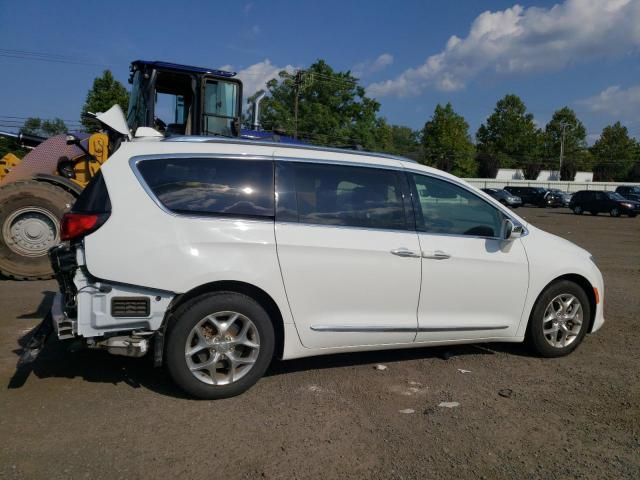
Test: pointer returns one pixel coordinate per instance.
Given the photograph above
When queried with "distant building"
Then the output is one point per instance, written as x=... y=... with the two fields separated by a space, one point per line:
x=583 y=177
x=547 y=175
x=509 y=174
x=543 y=176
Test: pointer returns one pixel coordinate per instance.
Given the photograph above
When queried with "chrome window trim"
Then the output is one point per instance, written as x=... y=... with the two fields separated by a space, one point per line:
x=344 y=163
x=498 y=207
x=391 y=328
x=134 y=161
x=347 y=227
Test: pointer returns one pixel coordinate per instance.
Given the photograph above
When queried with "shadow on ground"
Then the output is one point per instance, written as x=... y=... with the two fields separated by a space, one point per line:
x=69 y=359
x=43 y=308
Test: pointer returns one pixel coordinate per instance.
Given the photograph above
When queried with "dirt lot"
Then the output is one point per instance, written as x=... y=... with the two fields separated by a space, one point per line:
x=87 y=414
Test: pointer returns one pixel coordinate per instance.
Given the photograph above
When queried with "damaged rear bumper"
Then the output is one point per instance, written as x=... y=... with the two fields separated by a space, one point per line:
x=122 y=319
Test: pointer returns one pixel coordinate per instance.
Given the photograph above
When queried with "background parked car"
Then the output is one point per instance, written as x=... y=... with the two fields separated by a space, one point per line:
x=595 y=201
x=566 y=196
x=504 y=197
x=538 y=196
x=630 y=192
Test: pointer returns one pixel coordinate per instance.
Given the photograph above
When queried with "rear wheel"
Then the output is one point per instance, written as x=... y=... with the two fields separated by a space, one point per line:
x=30 y=213
x=559 y=319
x=219 y=345
x=614 y=212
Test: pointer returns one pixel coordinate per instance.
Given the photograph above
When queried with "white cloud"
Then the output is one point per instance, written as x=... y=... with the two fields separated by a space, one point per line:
x=622 y=103
x=518 y=40
x=247 y=8
x=255 y=77
x=368 y=67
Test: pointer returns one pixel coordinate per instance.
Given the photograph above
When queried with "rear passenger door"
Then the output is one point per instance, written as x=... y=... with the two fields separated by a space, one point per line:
x=349 y=253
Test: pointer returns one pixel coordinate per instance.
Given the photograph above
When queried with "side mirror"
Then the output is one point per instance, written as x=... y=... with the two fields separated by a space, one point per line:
x=72 y=139
x=511 y=231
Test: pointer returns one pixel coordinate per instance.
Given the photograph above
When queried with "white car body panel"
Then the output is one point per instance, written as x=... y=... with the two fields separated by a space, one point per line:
x=551 y=257
x=175 y=252
x=341 y=278
x=330 y=276
x=479 y=291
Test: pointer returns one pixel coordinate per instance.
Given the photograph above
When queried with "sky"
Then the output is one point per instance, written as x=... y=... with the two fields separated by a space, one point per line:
x=409 y=55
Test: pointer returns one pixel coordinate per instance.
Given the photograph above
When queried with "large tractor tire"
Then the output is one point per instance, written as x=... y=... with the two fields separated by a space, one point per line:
x=30 y=213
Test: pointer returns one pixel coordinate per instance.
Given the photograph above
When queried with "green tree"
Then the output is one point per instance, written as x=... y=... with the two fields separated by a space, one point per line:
x=43 y=128
x=9 y=145
x=509 y=136
x=446 y=142
x=397 y=140
x=332 y=108
x=615 y=154
x=105 y=92
x=575 y=155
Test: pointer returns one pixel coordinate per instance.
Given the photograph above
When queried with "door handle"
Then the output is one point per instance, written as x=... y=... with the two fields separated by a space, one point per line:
x=437 y=255
x=403 y=252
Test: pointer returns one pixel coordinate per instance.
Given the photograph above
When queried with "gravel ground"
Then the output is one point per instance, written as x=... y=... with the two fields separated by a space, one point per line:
x=88 y=414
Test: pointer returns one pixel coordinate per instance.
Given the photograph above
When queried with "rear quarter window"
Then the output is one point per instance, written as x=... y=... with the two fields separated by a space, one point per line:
x=94 y=198
x=211 y=186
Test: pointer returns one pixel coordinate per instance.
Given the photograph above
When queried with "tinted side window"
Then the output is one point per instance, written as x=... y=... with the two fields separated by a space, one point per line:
x=583 y=196
x=326 y=194
x=446 y=208
x=212 y=186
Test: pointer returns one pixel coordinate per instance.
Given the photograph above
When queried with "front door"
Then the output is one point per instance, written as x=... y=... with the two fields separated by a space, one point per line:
x=474 y=283
x=348 y=252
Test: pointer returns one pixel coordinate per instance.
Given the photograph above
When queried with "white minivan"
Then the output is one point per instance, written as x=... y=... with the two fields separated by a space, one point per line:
x=215 y=255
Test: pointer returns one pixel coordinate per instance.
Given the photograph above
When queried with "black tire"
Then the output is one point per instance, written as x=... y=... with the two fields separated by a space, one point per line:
x=593 y=212
x=632 y=215
x=578 y=210
x=614 y=212
x=23 y=195
x=189 y=315
x=535 y=336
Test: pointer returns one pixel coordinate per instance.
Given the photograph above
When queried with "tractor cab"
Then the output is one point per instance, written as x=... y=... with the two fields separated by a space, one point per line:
x=183 y=100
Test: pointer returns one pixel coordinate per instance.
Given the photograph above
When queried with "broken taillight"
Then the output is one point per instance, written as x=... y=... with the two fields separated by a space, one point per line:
x=77 y=225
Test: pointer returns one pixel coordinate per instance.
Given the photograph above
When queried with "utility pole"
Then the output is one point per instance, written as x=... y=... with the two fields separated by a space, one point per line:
x=297 y=82
x=562 y=135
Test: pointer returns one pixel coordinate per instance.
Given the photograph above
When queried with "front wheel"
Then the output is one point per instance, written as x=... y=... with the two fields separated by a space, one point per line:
x=577 y=210
x=615 y=212
x=219 y=345
x=559 y=319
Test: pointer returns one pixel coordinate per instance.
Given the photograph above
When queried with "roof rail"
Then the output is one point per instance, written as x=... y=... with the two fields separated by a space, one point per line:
x=266 y=143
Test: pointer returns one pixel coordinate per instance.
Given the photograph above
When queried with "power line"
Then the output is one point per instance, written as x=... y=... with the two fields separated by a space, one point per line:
x=47 y=57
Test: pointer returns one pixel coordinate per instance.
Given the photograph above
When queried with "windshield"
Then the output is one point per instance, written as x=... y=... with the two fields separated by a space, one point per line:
x=614 y=196
x=137 y=103
x=220 y=107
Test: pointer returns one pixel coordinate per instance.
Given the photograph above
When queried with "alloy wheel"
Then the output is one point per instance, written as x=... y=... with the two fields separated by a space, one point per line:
x=562 y=320
x=222 y=348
